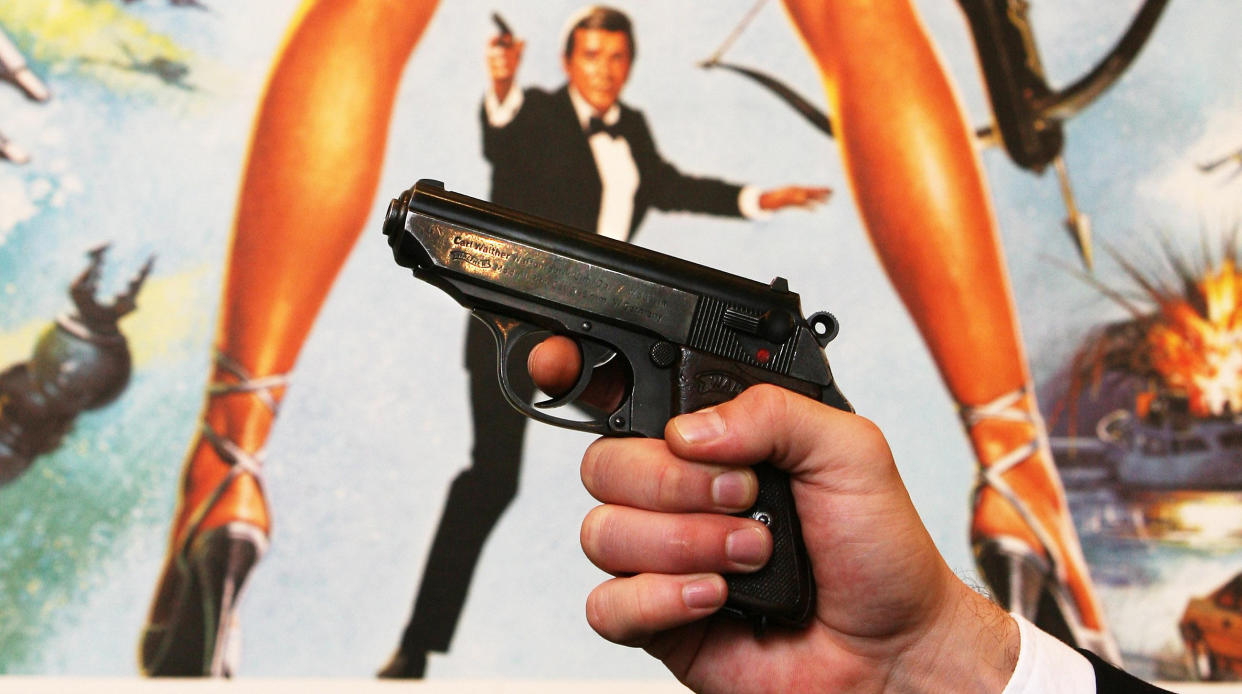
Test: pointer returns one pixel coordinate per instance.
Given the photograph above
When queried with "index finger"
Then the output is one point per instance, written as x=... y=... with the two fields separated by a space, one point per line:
x=556 y=363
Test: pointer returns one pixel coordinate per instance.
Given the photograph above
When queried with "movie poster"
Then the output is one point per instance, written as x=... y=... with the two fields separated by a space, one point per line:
x=236 y=436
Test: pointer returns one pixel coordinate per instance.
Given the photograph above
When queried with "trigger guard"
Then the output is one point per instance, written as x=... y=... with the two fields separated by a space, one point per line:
x=593 y=356
x=508 y=333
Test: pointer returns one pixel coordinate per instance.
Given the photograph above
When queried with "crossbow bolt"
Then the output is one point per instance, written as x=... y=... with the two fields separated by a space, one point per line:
x=1077 y=223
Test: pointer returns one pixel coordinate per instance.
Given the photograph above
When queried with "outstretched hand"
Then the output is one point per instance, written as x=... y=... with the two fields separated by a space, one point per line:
x=890 y=614
x=807 y=197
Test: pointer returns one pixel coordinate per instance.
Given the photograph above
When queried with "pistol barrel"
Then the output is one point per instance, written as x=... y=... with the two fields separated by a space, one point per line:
x=429 y=198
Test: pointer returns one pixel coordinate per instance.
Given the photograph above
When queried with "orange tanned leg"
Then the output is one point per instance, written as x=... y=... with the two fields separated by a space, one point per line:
x=920 y=191
x=307 y=189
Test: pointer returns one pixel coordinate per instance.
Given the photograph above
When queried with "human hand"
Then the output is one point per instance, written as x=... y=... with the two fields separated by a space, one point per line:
x=890 y=615
x=806 y=197
x=504 y=55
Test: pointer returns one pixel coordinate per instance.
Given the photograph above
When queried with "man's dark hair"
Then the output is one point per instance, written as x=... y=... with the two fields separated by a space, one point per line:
x=605 y=18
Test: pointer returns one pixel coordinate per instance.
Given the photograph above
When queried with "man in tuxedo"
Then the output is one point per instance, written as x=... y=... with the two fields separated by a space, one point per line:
x=580 y=157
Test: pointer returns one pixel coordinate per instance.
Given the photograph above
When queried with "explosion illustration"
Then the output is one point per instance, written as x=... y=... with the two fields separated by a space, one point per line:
x=1184 y=340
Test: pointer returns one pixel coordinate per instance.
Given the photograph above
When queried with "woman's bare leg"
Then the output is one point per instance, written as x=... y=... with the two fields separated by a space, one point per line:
x=919 y=188
x=308 y=187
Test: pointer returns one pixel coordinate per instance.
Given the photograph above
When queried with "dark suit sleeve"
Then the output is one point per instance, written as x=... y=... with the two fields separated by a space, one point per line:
x=666 y=188
x=501 y=146
x=1110 y=680
x=522 y=160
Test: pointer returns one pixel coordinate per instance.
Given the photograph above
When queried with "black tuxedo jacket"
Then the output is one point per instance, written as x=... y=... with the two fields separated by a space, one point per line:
x=542 y=165
x=1111 y=680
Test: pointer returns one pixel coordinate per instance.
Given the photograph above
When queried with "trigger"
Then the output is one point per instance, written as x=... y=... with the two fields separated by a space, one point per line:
x=594 y=355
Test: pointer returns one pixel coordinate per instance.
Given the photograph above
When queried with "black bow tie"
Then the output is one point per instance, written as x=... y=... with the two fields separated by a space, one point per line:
x=596 y=125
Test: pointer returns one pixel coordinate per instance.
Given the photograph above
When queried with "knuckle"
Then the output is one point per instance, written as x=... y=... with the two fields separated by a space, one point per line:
x=868 y=435
x=765 y=393
x=680 y=543
x=647 y=607
x=769 y=401
x=667 y=486
x=870 y=430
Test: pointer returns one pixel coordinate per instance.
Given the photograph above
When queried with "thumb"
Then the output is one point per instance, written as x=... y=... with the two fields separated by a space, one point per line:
x=818 y=444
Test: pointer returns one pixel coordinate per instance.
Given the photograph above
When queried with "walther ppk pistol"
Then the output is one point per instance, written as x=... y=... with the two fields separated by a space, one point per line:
x=688 y=336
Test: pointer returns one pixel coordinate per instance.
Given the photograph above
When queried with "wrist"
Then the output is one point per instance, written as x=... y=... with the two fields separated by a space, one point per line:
x=969 y=645
x=767 y=201
x=750 y=205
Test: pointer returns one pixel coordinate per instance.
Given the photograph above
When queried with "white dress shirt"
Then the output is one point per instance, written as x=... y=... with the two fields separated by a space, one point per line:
x=617 y=171
x=1048 y=666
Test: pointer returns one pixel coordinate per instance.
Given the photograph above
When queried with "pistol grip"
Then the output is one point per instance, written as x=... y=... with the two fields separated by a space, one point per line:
x=783 y=591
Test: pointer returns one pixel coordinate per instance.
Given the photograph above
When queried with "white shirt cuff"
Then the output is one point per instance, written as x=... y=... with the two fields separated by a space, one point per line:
x=1048 y=666
x=501 y=113
x=748 y=203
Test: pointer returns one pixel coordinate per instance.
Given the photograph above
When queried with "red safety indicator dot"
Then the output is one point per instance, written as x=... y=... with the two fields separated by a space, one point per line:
x=763 y=356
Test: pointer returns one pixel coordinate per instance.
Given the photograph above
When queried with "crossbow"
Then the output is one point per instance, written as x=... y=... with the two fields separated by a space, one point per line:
x=1026 y=110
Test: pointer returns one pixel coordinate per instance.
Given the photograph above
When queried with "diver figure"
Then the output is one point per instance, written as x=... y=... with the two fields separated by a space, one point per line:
x=179 y=3
x=12 y=151
x=81 y=362
x=170 y=72
x=14 y=69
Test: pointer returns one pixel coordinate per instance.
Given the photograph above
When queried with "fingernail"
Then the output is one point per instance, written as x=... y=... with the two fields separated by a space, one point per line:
x=747 y=547
x=700 y=427
x=702 y=594
x=732 y=489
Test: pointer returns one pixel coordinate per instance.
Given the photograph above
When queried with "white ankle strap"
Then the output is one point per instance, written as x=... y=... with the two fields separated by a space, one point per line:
x=1009 y=408
x=1005 y=408
x=239 y=461
x=245 y=383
